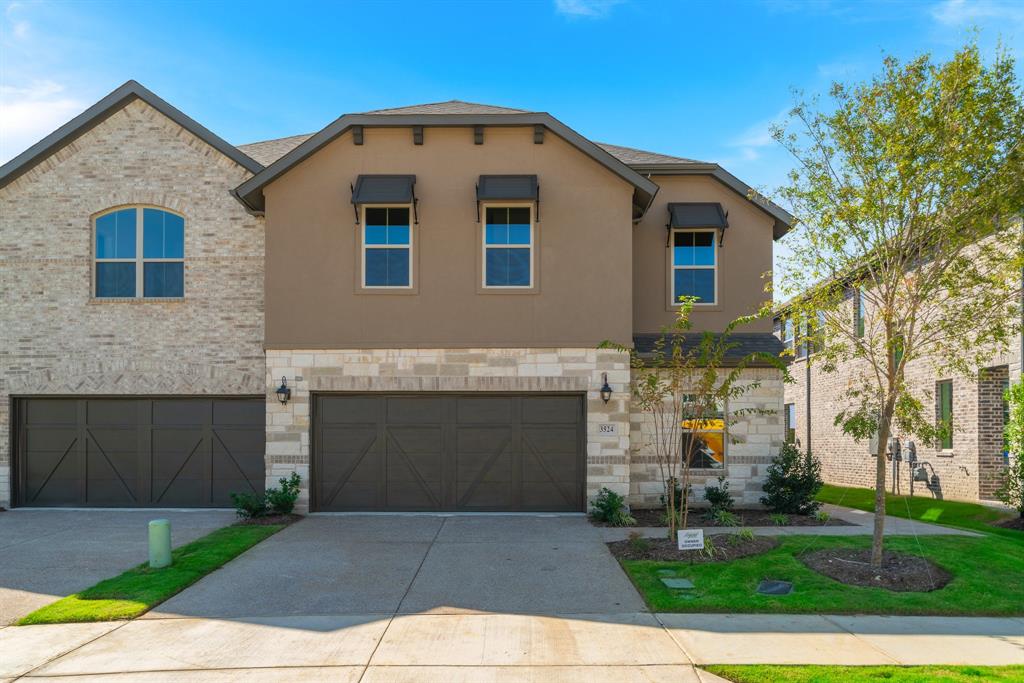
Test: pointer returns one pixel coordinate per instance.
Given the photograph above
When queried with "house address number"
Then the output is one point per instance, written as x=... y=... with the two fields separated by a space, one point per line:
x=608 y=428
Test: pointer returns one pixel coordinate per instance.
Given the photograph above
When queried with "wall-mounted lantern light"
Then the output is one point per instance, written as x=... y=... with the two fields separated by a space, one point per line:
x=606 y=390
x=284 y=392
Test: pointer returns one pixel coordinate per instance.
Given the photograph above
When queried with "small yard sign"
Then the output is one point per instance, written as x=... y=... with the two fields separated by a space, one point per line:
x=691 y=539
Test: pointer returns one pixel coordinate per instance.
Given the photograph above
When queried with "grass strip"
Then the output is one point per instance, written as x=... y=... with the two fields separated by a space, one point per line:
x=139 y=589
x=867 y=674
x=971 y=516
x=982 y=568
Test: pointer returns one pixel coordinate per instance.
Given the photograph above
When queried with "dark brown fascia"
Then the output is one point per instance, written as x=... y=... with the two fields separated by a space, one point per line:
x=99 y=112
x=783 y=219
x=250 y=193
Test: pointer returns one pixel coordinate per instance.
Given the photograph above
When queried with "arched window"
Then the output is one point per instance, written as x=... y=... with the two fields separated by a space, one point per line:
x=139 y=253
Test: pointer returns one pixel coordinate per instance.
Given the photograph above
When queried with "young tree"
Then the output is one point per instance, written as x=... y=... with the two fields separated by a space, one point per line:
x=907 y=190
x=1011 y=491
x=685 y=384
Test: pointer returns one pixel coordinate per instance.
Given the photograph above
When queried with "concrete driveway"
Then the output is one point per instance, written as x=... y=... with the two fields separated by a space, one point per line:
x=48 y=554
x=396 y=564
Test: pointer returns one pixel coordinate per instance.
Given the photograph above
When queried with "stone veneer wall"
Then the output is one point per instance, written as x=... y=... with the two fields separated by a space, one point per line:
x=509 y=370
x=751 y=443
x=56 y=339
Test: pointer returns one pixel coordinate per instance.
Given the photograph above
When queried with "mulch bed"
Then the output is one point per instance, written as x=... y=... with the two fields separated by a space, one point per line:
x=656 y=517
x=727 y=547
x=269 y=520
x=900 y=572
x=1016 y=523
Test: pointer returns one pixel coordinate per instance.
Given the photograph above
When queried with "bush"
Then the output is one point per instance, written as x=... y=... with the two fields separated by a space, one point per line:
x=719 y=497
x=780 y=519
x=282 y=501
x=610 y=508
x=637 y=542
x=794 y=479
x=249 y=505
x=822 y=516
x=1011 y=490
x=725 y=518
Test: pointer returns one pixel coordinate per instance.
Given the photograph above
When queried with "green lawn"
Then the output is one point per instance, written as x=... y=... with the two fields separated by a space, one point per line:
x=868 y=674
x=925 y=509
x=984 y=571
x=140 y=589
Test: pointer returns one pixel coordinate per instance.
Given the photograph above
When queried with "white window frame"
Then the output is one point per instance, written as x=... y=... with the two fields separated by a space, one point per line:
x=365 y=246
x=483 y=242
x=139 y=259
x=674 y=296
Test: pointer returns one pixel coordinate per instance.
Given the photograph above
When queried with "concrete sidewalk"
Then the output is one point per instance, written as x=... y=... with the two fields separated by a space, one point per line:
x=492 y=647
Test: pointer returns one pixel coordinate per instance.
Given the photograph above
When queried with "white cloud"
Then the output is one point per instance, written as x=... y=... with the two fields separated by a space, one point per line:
x=756 y=137
x=963 y=13
x=593 y=9
x=27 y=114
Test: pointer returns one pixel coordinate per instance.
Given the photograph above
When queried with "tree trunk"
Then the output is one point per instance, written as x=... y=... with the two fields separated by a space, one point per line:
x=881 y=465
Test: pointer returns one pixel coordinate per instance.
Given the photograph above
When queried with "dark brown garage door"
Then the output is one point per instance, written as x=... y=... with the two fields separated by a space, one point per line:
x=117 y=452
x=448 y=452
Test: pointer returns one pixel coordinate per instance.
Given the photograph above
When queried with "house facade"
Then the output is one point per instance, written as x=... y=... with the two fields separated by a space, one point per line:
x=965 y=466
x=404 y=307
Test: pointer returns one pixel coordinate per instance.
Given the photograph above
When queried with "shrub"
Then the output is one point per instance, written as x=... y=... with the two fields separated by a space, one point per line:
x=638 y=542
x=745 y=535
x=1011 y=491
x=249 y=505
x=779 y=519
x=282 y=501
x=709 y=548
x=822 y=516
x=725 y=518
x=794 y=479
x=718 y=496
x=610 y=508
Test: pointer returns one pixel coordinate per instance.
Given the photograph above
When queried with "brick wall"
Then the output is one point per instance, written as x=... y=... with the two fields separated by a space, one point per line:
x=991 y=385
x=56 y=339
x=752 y=440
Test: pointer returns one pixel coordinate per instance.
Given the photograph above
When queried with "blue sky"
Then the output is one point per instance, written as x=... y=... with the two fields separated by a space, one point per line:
x=694 y=79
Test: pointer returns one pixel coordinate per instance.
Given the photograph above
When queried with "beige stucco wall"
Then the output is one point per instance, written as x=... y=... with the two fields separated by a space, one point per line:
x=753 y=438
x=584 y=265
x=482 y=369
x=55 y=339
x=745 y=255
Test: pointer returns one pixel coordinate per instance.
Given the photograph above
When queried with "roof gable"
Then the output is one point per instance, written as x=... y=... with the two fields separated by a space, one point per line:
x=99 y=112
x=449 y=107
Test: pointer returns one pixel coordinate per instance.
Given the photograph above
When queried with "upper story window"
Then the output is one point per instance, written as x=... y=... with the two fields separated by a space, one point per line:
x=788 y=333
x=508 y=246
x=139 y=253
x=858 y=312
x=694 y=266
x=387 y=247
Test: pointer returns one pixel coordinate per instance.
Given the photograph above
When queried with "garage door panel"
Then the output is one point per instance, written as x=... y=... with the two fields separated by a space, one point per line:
x=497 y=410
x=415 y=410
x=551 y=409
x=137 y=452
x=348 y=410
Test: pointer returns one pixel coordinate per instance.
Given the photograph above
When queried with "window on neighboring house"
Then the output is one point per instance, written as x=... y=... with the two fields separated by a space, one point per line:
x=790 y=416
x=123 y=270
x=803 y=346
x=858 y=311
x=897 y=352
x=944 y=393
x=788 y=333
x=387 y=247
x=694 y=266
x=705 y=439
x=508 y=246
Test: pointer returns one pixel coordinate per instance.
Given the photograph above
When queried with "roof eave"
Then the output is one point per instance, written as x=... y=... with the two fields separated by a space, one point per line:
x=99 y=112
x=251 y=191
x=783 y=219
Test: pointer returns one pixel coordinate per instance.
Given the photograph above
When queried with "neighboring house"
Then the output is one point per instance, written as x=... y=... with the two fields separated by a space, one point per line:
x=966 y=466
x=425 y=287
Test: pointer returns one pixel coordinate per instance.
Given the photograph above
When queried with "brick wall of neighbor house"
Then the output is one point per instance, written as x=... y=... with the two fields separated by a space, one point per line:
x=751 y=443
x=966 y=472
x=55 y=339
x=508 y=370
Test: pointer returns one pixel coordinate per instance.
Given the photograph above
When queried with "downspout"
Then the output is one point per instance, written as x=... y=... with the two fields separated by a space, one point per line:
x=808 y=371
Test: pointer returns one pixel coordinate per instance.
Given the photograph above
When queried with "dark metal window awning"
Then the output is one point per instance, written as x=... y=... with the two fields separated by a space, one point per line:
x=698 y=215
x=384 y=189
x=492 y=188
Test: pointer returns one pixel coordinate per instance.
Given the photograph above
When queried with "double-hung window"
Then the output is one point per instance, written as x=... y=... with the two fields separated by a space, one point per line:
x=944 y=390
x=508 y=243
x=858 y=312
x=694 y=266
x=140 y=253
x=387 y=247
x=790 y=417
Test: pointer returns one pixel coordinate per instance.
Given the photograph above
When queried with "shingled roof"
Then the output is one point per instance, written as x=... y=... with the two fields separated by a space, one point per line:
x=745 y=343
x=640 y=157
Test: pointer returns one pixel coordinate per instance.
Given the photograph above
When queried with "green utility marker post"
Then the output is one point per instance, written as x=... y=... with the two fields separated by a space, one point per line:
x=159 y=543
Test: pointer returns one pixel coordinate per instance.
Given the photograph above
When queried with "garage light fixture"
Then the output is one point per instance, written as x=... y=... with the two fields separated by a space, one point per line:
x=606 y=390
x=284 y=392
